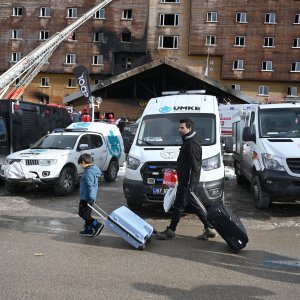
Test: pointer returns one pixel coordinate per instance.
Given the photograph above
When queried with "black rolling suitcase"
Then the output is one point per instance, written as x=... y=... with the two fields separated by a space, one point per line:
x=227 y=224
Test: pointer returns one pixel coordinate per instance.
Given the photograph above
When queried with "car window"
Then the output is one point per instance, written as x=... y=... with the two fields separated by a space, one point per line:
x=96 y=140
x=84 y=140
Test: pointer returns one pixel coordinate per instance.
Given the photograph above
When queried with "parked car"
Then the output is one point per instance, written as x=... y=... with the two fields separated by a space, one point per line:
x=53 y=159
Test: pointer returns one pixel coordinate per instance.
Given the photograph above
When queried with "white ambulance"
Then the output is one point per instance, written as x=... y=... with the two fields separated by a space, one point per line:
x=53 y=159
x=266 y=151
x=157 y=143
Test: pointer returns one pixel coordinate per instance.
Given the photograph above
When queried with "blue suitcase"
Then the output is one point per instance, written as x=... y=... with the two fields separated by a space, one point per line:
x=128 y=225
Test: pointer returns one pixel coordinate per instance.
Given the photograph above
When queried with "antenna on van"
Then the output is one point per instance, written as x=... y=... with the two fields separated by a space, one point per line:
x=154 y=91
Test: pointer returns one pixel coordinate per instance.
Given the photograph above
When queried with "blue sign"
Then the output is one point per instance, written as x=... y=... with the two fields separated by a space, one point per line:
x=165 y=109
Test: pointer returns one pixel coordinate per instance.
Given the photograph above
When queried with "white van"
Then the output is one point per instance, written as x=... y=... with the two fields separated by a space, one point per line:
x=157 y=143
x=54 y=158
x=267 y=151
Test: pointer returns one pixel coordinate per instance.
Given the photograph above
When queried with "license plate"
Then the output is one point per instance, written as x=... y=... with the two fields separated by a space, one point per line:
x=159 y=191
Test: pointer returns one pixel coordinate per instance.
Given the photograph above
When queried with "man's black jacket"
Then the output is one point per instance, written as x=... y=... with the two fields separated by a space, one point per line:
x=189 y=161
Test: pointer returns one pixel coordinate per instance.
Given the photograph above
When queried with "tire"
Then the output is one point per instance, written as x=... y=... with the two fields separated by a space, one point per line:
x=111 y=173
x=261 y=198
x=14 y=188
x=66 y=182
x=240 y=179
x=134 y=205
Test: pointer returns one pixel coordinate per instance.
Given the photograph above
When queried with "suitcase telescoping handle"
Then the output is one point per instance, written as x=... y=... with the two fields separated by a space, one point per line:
x=199 y=202
x=101 y=212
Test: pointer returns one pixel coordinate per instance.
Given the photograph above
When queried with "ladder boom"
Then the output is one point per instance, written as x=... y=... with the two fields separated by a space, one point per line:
x=38 y=55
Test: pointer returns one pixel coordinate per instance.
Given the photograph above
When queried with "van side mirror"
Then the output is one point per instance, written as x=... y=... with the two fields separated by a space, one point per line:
x=248 y=136
x=228 y=144
x=83 y=147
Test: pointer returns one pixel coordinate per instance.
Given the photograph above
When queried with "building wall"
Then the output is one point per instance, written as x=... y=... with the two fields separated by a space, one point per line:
x=215 y=61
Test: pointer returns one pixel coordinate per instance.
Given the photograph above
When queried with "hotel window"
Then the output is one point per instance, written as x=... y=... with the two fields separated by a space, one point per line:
x=240 y=41
x=126 y=37
x=292 y=91
x=263 y=90
x=241 y=17
x=296 y=43
x=268 y=42
x=270 y=18
x=169 y=20
x=170 y=42
x=212 y=16
x=210 y=40
x=295 y=66
x=70 y=58
x=72 y=82
x=267 y=65
x=100 y=14
x=16 y=34
x=98 y=36
x=170 y=1
x=72 y=12
x=126 y=63
x=236 y=87
x=44 y=34
x=17 y=11
x=297 y=19
x=238 y=64
x=45 y=81
x=127 y=14
x=98 y=59
x=45 y=12
x=16 y=56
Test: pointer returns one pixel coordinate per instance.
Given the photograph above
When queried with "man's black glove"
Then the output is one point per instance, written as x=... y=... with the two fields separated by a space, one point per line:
x=91 y=202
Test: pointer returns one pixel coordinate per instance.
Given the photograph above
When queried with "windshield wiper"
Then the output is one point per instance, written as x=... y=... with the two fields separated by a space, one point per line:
x=147 y=143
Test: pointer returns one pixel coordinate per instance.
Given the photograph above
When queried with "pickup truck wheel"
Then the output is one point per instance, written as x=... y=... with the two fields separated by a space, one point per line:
x=261 y=198
x=65 y=184
x=112 y=171
x=14 y=188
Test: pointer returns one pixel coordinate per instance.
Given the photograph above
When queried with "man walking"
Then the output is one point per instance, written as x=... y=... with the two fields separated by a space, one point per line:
x=188 y=172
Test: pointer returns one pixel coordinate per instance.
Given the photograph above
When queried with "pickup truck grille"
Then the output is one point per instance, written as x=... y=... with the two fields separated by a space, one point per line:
x=32 y=162
x=154 y=172
x=294 y=165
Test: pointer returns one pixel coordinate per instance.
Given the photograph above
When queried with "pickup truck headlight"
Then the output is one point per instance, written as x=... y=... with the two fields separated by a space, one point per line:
x=132 y=163
x=211 y=163
x=7 y=161
x=272 y=162
x=47 y=162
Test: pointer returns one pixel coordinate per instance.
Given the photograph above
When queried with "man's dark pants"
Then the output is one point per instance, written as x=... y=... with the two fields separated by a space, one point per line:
x=183 y=198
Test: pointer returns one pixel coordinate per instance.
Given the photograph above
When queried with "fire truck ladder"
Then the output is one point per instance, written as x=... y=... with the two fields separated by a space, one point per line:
x=29 y=66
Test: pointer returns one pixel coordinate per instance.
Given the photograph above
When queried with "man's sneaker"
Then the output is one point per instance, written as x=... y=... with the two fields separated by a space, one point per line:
x=167 y=234
x=207 y=234
x=88 y=231
x=97 y=228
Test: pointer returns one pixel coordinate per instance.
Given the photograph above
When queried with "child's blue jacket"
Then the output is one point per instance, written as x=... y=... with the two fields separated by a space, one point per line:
x=89 y=183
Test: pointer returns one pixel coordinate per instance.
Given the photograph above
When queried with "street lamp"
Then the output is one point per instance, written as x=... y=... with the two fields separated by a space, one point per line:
x=94 y=102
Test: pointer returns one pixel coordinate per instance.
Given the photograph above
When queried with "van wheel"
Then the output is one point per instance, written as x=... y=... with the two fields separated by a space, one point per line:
x=261 y=198
x=112 y=171
x=65 y=184
x=14 y=188
x=134 y=205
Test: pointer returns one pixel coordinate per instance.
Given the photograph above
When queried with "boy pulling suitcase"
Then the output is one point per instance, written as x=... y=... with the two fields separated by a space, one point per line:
x=88 y=195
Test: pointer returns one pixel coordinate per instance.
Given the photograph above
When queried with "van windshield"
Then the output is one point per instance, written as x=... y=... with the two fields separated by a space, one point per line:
x=280 y=123
x=55 y=142
x=163 y=130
